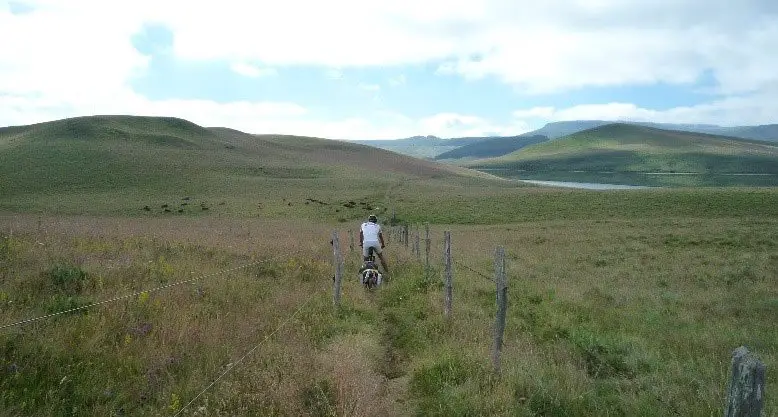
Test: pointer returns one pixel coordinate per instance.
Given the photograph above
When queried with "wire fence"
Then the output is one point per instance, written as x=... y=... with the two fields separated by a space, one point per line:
x=473 y=270
x=262 y=342
x=233 y=365
x=134 y=294
x=402 y=234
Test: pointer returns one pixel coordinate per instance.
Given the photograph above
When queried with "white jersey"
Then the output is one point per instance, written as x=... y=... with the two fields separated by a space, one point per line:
x=370 y=232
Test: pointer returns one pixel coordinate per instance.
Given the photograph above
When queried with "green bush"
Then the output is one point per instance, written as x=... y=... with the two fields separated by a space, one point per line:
x=68 y=279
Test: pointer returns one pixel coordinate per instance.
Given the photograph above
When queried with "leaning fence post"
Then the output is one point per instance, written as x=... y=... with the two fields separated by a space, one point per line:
x=745 y=393
x=502 y=305
x=338 y=261
x=448 y=286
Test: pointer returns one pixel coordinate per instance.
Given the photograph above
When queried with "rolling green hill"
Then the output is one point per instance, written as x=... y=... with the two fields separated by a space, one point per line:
x=768 y=133
x=491 y=147
x=432 y=147
x=121 y=163
x=601 y=152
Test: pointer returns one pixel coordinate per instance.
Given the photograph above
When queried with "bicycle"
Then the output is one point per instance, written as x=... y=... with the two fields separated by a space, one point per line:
x=370 y=275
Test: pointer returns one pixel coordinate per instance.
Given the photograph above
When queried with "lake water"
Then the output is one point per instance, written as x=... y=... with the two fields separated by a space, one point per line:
x=609 y=180
x=585 y=185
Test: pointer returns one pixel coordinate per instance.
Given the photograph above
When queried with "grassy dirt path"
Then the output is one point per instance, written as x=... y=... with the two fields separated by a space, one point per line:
x=368 y=378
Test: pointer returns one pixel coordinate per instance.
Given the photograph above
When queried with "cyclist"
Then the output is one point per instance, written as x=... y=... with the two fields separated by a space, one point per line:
x=370 y=236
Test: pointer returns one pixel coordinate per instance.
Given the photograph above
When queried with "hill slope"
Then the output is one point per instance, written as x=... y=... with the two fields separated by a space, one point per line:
x=556 y=130
x=623 y=148
x=491 y=147
x=104 y=159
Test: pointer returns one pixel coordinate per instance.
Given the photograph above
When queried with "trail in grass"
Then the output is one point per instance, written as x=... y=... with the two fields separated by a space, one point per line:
x=369 y=377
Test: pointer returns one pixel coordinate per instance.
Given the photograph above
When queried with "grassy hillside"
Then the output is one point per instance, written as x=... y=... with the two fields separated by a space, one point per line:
x=491 y=147
x=122 y=164
x=628 y=149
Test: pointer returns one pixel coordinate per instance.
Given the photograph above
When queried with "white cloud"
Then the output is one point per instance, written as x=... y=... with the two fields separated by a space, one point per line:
x=254 y=117
x=539 y=112
x=448 y=125
x=252 y=71
x=59 y=53
x=26 y=110
x=749 y=109
x=539 y=47
x=84 y=61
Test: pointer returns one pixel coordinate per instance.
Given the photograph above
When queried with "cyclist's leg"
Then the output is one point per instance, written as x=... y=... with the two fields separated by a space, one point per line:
x=383 y=261
x=377 y=248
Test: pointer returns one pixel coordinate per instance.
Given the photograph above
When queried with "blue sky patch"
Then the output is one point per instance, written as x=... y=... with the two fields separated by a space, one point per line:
x=20 y=8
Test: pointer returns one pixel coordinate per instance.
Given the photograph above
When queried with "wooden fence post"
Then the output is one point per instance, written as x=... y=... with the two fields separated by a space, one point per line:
x=338 y=261
x=745 y=393
x=427 y=246
x=410 y=241
x=416 y=248
x=502 y=305
x=405 y=236
x=351 y=240
x=448 y=286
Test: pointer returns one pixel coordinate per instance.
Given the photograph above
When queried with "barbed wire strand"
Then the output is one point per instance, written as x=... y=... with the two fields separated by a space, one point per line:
x=233 y=365
x=460 y=264
x=479 y=273
x=135 y=294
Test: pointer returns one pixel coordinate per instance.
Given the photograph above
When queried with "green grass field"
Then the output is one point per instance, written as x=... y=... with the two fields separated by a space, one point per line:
x=620 y=302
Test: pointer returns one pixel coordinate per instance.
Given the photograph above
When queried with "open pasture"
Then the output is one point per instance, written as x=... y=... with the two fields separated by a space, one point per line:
x=619 y=314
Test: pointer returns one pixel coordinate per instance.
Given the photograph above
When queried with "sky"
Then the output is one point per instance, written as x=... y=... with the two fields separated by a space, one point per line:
x=364 y=69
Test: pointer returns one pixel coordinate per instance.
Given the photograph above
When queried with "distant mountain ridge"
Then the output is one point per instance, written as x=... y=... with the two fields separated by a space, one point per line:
x=424 y=147
x=433 y=147
x=768 y=132
x=491 y=147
